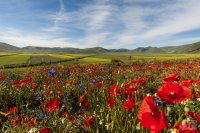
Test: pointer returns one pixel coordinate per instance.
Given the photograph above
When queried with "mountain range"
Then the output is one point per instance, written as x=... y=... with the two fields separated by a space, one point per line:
x=188 y=48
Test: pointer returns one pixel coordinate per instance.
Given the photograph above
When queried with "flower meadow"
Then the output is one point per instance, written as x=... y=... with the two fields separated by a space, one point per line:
x=140 y=97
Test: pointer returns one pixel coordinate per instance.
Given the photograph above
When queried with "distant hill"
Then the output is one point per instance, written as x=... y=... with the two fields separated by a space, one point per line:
x=4 y=47
x=33 y=49
x=189 y=48
x=148 y=50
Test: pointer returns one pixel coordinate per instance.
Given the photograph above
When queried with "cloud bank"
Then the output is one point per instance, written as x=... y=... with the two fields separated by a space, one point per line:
x=106 y=23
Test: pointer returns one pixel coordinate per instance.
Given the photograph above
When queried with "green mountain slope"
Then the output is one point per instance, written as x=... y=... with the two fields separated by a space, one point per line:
x=189 y=48
x=4 y=47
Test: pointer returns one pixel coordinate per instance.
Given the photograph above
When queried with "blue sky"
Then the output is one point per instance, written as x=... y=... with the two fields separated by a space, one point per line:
x=106 y=23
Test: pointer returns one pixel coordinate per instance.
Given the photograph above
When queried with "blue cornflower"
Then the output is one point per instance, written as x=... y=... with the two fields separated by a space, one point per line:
x=167 y=104
x=101 y=78
x=83 y=88
x=38 y=98
x=65 y=100
x=158 y=102
x=41 y=116
x=93 y=81
x=41 y=94
x=79 y=85
x=52 y=72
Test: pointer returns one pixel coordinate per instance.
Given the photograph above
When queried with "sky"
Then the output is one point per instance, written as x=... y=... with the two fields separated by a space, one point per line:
x=105 y=23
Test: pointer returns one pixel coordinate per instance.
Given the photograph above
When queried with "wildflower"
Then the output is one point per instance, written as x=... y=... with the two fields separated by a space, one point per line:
x=167 y=104
x=187 y=83
x=186 y=109
x=150 y=117
x=31 y=122
x=111 y=102
x=158 y=102
x=65 y=100
x=173 y=130
x=38 y=98
x=65 y=114
x=41 y=94
x=171 y=78
x=194 y=115
x=83 y=88
x=53 y=104
x=41 y=116
x=89 y=121
x=87 y=103
x=33 y=130
x=101 y=85
x=17 y=121
x=129 y=104
x=52 y=72
x=93 y=81
x=12 y=110
x=81 y=99
x=130 y=90
x=101 y=78
x=113 y=90
x=45 y=130
x=173 y=92
x=79 y=85
x=72 y=118
x=185 y=126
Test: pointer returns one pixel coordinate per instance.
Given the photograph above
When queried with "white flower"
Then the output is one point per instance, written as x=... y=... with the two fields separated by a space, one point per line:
x=32 y=130
x=148 y=94
x=186 y=109
x=172 y=131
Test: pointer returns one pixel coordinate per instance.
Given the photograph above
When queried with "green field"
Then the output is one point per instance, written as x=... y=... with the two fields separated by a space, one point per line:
x=24 y=58
x=9 y=58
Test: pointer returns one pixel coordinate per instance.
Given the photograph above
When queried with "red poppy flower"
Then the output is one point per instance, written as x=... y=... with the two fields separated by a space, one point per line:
x=87 y=104
x=130 y=90
x=150 y=117
x=186 y=127
x=13 y=110
x=171 y=78
x=53 y=104
x=187 y=83
x=31 y=122
x=101 y=85
x=64 y=114
x=173 y=92
x=129 y=104
x=89 y=121
x=81 y=99
x=17 y=121
x=45 y=130
x=47 y=93
x=195 y=115
x=113 y=90
x=141 y=82
x=72 y=118
x=111 y=102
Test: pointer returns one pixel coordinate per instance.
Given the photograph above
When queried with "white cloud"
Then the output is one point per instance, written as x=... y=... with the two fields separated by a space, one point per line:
x=186 y=18
x=170 y=19
x=113 y=25
x=18 y=38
